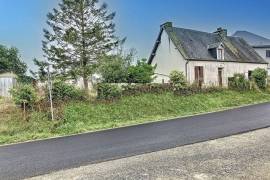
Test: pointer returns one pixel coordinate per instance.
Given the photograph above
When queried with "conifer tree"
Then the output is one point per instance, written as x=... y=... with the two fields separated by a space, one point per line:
x=80 y=32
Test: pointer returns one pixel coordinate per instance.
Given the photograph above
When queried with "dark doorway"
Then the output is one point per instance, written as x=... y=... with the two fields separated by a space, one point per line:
x=199 y=77
x=220 y=77
x=249 y=75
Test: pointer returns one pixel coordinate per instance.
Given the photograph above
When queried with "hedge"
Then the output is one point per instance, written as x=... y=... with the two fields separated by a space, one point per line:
x=106 y=91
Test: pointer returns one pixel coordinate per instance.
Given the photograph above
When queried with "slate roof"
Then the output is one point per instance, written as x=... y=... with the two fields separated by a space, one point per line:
x=253 y=39
x=193 y=45
x=215 y=45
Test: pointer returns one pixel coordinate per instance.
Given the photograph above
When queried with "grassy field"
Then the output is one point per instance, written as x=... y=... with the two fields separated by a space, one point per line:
x=86 y=116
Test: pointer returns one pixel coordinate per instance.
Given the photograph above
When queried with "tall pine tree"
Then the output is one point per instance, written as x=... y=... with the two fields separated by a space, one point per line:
x=80 y=32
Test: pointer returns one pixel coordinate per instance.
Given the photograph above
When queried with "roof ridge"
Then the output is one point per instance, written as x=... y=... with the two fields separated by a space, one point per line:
x=213 y=33
x=193 y=30
x=251 y=33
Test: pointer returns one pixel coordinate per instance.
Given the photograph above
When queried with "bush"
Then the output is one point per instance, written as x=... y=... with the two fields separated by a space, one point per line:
x=259 y=76
x=63 y=92
x=118 y=69
x=239 y=82
x=137 y=89
x=141 y=73
x=108 y=91
x=24 y=94
x=194 y=89
x=177 y=77
x=113 y=69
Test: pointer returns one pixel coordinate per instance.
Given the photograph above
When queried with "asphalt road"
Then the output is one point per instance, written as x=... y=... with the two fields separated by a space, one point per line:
x=240 y=157
x=41 y=157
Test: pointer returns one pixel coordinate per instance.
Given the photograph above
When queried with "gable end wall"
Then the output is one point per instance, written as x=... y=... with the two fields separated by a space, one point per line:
x=167 y=58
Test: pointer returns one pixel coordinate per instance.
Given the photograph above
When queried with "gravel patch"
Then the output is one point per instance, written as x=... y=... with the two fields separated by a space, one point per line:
x=245 y=156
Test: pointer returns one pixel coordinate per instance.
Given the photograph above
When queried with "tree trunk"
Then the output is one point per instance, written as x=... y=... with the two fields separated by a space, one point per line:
x=85 y=83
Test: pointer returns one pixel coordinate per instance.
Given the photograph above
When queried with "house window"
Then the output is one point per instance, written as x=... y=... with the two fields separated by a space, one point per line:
x=267 y=53
x=220 y=54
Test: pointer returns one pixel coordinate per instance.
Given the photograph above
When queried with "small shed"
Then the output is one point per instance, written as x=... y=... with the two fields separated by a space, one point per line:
x=7 y=81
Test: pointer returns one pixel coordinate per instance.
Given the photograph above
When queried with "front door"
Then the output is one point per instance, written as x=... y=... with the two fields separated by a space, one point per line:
x=220 y=78
x=199 y=77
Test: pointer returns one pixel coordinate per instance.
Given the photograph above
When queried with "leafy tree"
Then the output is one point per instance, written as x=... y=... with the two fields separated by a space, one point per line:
x=24 y=94
x=142 y=72
x=113 y=68
x=81 y=32
x=10 y=62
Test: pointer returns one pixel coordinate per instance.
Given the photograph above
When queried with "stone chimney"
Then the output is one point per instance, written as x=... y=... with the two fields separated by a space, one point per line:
x=222 y=32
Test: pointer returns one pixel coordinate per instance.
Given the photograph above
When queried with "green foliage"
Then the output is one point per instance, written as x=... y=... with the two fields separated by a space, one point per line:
x=41 y=74
x=239 y=82
x=107 y=91
x=81 y=117
x=10 y=61
x=138 y=89
x=117 y=69
x=142 y=72
x=259 y=76
x=62 y=91
x=24 y=93
x=178 y=78
x=191 y=90
x=113 y=68
x=81 y=45
x=26 y=79
x=84 y=116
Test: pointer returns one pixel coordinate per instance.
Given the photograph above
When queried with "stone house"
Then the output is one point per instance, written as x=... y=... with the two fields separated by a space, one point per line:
x=206 y=58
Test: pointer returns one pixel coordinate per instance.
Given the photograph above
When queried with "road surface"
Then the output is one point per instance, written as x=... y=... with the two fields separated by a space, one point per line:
x=41 y=157
x=240 y=157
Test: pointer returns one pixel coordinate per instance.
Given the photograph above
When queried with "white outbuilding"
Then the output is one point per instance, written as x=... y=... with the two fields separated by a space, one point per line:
x=7 y=82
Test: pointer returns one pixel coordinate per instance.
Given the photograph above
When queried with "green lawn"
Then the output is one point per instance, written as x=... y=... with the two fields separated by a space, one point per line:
x=86 y=116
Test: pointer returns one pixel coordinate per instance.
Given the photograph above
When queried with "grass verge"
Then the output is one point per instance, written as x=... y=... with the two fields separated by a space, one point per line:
x=81 y=117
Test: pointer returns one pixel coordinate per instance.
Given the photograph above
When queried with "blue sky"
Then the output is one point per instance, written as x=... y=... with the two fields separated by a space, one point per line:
x=22 y=21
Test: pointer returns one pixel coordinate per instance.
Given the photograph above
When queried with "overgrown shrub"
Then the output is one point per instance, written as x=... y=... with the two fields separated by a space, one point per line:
x=190 y=90
x=107 y=91
x=259 y=76
x=178 y=78
x=113 y=69
x=142 y=72
x=62 y=91
x=136 y=89
x=24 y=95
x=239 y=82
x=118 y=69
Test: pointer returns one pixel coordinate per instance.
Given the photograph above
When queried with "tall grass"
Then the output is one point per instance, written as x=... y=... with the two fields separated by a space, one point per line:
x=85 y=116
